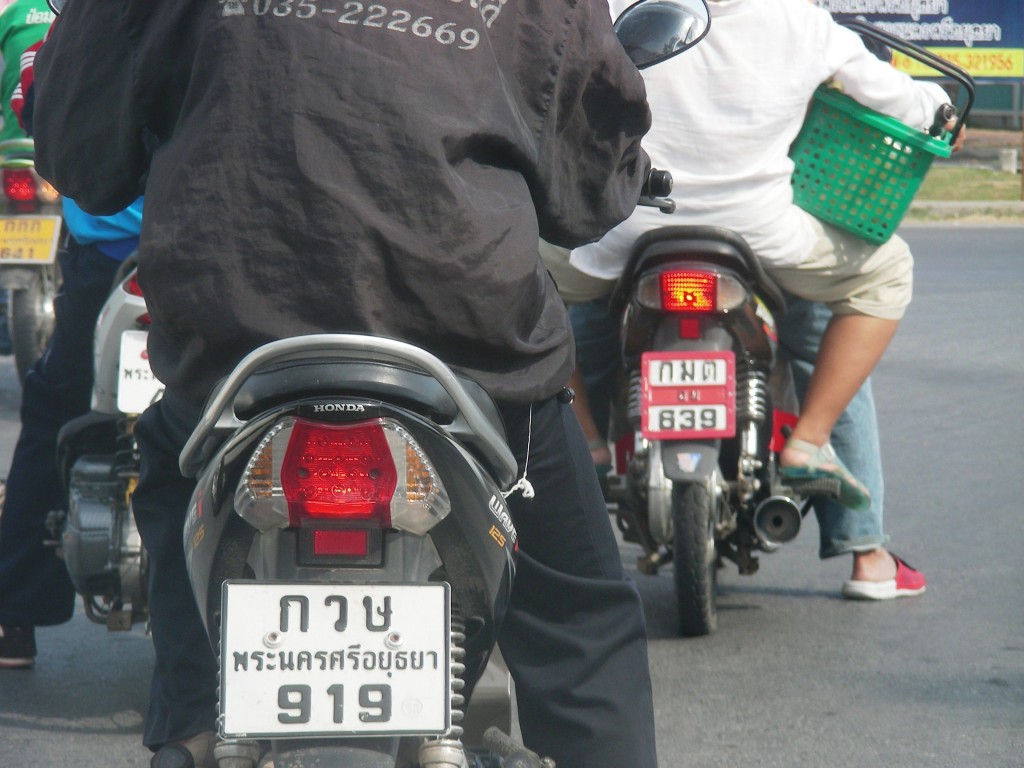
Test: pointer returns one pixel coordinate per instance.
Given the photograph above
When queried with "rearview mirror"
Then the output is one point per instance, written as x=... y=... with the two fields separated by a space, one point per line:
x=653 y=31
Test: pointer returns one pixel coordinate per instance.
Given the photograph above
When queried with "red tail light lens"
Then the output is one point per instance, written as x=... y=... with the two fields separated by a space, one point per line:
x=362 y=474
x=341 y=543
x=131 y=285
x=693 y=291
x=689 y=328
x=338 y=471
x=19 y=185
x=689 y=291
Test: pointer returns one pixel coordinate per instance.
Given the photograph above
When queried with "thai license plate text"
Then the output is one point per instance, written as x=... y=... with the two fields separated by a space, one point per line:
x=137 y=387
x=688 y=395
x=29 y=239
x=305 y=659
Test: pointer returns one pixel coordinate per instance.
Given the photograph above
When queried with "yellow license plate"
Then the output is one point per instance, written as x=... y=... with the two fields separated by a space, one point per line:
x=29 y=239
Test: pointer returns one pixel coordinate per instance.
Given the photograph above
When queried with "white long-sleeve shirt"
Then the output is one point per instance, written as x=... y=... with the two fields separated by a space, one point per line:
x=726 y=112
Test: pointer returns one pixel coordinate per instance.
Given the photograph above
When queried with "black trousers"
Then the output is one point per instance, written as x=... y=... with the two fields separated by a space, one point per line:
x=34 y=585
x=574 y=637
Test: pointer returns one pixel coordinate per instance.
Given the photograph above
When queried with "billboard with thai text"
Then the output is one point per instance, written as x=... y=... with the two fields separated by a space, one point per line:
x=985 y=37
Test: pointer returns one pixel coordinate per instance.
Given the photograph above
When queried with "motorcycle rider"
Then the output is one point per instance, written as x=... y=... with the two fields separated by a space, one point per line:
x=761 y=62
x=23 y=24
x=35 y=589
x=309 y=171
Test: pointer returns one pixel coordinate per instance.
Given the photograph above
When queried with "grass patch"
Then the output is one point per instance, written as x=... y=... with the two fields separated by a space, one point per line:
x=979 y=215
x=959 y=183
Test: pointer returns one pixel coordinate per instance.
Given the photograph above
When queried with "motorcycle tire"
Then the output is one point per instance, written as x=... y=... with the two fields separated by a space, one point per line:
x=30 y=319
x=694 y=558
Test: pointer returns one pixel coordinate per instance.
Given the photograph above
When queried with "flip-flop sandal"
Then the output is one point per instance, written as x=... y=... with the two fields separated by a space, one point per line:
x=822 y=463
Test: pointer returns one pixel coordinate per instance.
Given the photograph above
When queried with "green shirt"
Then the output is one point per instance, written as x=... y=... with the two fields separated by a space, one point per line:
x=22 y=24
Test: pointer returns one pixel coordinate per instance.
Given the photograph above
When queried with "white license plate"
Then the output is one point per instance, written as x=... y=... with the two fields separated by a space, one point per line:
x=137 y=387
x=29 y=239
x=688 y=395
x=303 y=659
x=687 y=418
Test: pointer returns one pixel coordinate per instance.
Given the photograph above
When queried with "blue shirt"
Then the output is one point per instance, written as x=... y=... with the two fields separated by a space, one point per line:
x=116 y=235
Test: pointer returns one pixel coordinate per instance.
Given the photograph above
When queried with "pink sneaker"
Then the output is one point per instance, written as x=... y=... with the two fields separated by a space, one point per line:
x=907 y=583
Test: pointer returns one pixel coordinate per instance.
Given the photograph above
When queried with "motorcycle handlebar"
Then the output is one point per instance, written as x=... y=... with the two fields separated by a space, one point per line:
x=656 y=190
x=943 y=115
x=658 y=184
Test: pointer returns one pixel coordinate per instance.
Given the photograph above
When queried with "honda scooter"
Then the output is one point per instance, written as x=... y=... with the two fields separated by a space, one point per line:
x=349 y=544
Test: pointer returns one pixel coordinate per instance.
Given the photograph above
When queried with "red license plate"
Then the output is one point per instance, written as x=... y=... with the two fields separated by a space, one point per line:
x=688 y=395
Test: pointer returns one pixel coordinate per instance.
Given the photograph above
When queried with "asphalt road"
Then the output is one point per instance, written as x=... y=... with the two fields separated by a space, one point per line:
x=794 y=676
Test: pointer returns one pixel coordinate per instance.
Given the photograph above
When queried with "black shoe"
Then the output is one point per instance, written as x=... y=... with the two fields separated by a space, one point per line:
x=196 y=752
x=17 y=647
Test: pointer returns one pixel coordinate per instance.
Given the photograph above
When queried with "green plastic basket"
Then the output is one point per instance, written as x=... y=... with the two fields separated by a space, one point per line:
x=858 y=169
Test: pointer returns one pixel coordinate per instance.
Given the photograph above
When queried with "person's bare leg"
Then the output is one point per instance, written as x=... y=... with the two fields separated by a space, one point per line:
x=876 y=565
x=850 y=349
x=581 y=407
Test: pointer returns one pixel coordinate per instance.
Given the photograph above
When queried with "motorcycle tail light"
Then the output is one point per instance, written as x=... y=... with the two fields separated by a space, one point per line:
x=689 y=328
x=368 y=473
x=19 y=185
x=338 y=471
x=691 y=291
x=131 y=284
x=331 y=542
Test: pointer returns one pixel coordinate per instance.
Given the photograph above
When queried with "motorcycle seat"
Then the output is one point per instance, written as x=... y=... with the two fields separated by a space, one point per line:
x=419 y=392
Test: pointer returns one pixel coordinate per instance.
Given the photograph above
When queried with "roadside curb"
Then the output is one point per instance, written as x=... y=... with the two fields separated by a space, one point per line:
x=966 y=211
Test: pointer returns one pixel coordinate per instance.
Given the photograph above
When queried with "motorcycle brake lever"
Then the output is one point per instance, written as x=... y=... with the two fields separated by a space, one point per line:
x=664 y=204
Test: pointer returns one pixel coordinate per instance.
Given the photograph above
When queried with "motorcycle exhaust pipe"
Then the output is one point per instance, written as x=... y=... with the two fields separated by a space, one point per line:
x=776 y=521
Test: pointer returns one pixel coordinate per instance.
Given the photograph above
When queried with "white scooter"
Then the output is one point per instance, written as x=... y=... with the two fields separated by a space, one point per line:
x=98 y=462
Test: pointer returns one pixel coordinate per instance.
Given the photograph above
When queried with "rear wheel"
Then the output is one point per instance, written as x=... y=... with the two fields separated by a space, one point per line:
x=30 y=320
x=694 y=514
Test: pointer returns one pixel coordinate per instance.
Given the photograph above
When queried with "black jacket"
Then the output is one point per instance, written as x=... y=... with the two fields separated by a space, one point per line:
x=331 y=165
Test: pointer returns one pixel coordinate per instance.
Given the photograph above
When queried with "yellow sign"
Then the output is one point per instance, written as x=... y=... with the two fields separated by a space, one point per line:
x=29 y=239
x=979 y=62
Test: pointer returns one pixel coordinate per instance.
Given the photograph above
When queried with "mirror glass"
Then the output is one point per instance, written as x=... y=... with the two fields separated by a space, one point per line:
x=56 y=5
x=652 y=31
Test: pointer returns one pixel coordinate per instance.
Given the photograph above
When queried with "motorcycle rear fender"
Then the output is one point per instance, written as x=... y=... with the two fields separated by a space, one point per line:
x=120 y=313
x=704 y=248
x=690 y=461
x=328 y=371
x=716 y=245
x=476 y=542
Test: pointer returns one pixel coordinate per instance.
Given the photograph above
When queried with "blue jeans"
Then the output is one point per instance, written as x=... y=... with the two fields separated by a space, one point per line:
x=855 y=435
